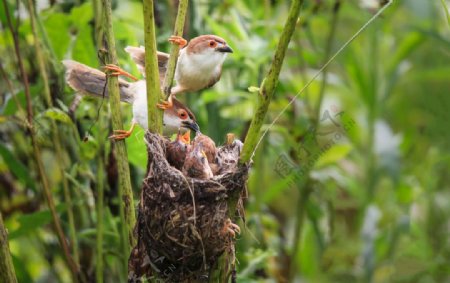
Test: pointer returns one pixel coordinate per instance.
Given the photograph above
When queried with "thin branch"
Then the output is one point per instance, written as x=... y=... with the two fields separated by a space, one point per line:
x=100 y=186
x=151 y=70
x=7 y=273
x=128 y=217
x=55 y=132
x=47 y=191
x=269 y=83
x=11 y=89
x=337 y=53
x=305 y=189
x=178 y=31
x=328 y=48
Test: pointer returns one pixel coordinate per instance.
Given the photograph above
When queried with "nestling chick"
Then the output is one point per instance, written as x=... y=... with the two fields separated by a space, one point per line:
x=177 y=150
x=196 y=164
x=209 y=147
x=199 y=64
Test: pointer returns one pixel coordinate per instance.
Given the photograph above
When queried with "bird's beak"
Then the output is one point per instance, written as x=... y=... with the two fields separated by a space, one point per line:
x=186 y=137
x=224 y=49
x=190 y=125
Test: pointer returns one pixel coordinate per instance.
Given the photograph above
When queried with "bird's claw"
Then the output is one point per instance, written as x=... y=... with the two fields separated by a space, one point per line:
x=178 y=40
x=120 y=135
x=115 y=70
x=230 y=229
x=164 y=105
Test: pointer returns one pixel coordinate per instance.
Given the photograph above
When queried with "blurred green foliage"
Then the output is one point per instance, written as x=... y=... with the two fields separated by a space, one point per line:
x=373 y=207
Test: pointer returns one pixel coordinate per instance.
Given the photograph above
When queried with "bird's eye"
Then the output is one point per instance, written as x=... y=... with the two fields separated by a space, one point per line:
x=182 y=114
x=212 y=43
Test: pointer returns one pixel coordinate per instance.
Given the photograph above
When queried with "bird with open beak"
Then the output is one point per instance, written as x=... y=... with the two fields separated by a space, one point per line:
x=89 y=81
x=199 y=64
x=196 y=164
x=177 y=150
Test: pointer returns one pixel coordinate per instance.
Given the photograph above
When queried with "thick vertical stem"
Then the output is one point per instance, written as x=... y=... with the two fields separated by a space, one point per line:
x=55 y=132
x=151 y=70
x=36 y=151
x=100 y=186
x=264 y=98
x=127 y=214
x=7 y=273
x=270 y=82
x=178 y=31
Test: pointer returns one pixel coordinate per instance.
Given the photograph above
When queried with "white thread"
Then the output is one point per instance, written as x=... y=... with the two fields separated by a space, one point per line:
x=321 y=70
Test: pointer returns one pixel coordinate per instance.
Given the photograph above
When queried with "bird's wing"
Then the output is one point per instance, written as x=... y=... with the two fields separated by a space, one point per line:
x=138 y=56
x=214 y=79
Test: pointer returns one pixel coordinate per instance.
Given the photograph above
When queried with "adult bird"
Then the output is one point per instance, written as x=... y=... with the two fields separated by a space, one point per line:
x=90 y=81
x=199 y=64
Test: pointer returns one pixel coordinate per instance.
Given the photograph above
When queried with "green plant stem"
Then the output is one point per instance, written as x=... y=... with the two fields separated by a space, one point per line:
x=300 y=219
x=178 y=31
x=98 y=27
x=447 y=13
x=328 y=48
x=127 y=214
x=266 y=92
x=100 y=186
x=269 y=83
x=55 y=133
x=154 y=94
x=100 y=227
x=11 y=90
x=7 y=273
x=37 y=154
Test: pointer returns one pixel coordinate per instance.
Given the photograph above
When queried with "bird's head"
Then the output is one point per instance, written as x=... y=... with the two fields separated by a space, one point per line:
x=199 y=154
x=185 y=138
x=179 y=117
x=212 y=46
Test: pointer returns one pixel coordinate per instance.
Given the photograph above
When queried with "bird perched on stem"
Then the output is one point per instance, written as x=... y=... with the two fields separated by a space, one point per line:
x=177 y=150
x=199 y=64
x=90 y=81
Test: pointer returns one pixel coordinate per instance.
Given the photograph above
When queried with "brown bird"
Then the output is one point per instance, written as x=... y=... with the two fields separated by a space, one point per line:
x=196 y=164
x=209 y=146
x=177 y=150
x=199 y=64
x=90 y=81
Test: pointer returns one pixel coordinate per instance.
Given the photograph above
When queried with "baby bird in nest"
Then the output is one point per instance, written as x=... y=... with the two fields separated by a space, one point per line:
x=209 y=147
x=196 y=164
x=177 y=150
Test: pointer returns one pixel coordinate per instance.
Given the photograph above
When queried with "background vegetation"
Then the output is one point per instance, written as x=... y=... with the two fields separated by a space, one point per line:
x=356 y=190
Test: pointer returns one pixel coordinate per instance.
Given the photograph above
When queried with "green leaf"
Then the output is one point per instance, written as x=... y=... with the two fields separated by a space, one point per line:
x=19 y=170
x=81 y=15
x=447 y=13
x=57 y=28
x=137 y=151
x=83 y=49
x=333 y=155
x=57 y=115
x=28 y=223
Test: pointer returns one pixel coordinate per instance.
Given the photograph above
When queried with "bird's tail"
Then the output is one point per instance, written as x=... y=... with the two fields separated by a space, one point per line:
x=90 y=81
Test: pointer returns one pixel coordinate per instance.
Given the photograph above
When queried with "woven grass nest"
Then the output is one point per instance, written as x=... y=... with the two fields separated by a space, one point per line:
x=181 y=220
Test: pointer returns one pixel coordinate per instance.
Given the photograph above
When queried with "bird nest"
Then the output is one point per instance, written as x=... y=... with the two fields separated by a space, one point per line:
x=182 y=221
